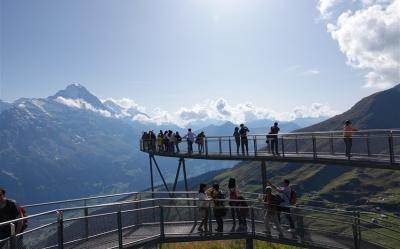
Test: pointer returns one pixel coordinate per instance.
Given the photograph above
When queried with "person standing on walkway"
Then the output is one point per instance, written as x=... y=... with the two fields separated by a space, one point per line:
x=8 y=211
x=271 y=212
x=203 y=208
x=190 y=137
x=200 y=141
x=274 y=139
x=233 y=195
x=178 y=140
x=236 y=135
x=347 y=134
x=171 y=141
x=243 y=137
x=219 y=208
x=286 y=195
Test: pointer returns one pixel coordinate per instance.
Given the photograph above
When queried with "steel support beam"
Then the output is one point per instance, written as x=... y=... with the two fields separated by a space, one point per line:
x=263 y=175
x=249 y=243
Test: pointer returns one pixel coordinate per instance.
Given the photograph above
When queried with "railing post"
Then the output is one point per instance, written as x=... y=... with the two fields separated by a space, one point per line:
x=356 y=232
x=331 y=142
x=255 y=145
x=249 y=243
x=230 y=147
x=300 y=226
x=60 y=229
x=368 y=145
x=355 y=236
x=137 y=211
x=314 y=143
x=359 y=228
x=162 y=232
x=206 y=145
x=119 y=224
x=13 y=238
x=391 y=150
x=195 y=212
x=86 y=214
x=297 y=146
x=209 y=218
x=283 y=146
x=253 y=222
x=220 y=145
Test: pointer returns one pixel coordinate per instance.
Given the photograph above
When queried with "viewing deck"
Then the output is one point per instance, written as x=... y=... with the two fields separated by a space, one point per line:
x=370 y=149
x=134 y=220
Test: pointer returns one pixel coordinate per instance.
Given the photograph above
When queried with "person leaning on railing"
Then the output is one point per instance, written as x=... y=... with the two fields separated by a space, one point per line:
x=8 y=211
x=347 y=134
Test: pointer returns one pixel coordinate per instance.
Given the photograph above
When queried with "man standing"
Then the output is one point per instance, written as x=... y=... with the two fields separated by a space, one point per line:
x=8 y=211
x=274 y=138
x=348 y=133
x=285 y=192
x=243 y=136
x=219 y=209
x=190 y=136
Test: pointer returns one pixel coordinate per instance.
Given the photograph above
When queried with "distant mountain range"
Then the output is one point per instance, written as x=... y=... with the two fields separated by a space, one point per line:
x=367 y=188
x=73 y=144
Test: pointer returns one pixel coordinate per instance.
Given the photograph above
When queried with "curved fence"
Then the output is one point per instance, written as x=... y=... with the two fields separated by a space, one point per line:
x=368 y=147
x=138 y=219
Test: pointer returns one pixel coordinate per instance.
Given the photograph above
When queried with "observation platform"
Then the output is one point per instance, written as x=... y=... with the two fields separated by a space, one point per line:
x=138 y=219
x=370 y=149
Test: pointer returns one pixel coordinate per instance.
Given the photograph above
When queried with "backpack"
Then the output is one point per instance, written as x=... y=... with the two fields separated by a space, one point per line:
x=233 y=194
x=293 y=197
x=22 y=213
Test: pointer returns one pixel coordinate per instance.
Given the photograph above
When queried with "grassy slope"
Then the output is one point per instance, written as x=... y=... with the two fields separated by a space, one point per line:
x=233 y=244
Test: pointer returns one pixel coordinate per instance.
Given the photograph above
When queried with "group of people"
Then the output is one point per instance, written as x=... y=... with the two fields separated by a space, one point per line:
x=275 y=204
x=239 y=209
x=168 y=141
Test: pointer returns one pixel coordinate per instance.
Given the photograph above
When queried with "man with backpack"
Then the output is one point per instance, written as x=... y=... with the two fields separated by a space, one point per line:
x=272 y=211
x=8 y=211
x=288 y=196
x=273 y=136
x=219 y=208
x=243 y=137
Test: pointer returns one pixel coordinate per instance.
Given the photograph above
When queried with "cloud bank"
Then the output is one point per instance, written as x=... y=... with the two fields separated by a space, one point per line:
x=217 y=111
x=370 y=39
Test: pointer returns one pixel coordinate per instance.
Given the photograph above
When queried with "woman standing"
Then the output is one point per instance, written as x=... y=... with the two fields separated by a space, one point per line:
x=203 y=208
x=233 y=195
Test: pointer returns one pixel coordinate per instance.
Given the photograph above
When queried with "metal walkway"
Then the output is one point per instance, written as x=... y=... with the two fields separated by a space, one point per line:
x=370 y=149
x=133 y=220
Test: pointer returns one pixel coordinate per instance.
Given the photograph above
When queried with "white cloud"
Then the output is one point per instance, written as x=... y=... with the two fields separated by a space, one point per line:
x=81 y=104
x=370 y=39
x=311 y=72
x=216 y=111
x=302 y=71
x=324 y=7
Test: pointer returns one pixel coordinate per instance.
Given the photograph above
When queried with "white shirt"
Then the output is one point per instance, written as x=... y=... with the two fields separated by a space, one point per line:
x=191 y=136
x=202 y=200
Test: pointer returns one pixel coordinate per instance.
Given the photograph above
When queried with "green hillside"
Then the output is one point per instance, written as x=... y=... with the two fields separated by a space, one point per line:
x=331 y=185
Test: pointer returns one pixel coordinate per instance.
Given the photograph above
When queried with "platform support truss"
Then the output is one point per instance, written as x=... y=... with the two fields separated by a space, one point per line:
x=181 y=164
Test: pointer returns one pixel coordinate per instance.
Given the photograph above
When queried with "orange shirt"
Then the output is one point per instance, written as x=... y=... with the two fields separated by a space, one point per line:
x=348 y=130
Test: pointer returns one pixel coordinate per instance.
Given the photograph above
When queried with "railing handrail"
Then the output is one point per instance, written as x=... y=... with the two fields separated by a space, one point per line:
x=254 y=204
x=331 y=132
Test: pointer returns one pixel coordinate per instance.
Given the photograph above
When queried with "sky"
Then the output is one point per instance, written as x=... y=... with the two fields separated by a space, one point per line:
x=319 y=57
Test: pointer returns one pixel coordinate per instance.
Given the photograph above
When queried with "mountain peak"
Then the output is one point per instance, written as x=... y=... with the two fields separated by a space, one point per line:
x=78 y=91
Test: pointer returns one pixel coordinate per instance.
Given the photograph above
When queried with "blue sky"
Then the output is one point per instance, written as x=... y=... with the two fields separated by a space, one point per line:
x=276 y=54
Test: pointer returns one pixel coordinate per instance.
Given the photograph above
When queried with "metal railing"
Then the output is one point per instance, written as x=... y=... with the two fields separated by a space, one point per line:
x=367 y=145
x=156 y=220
